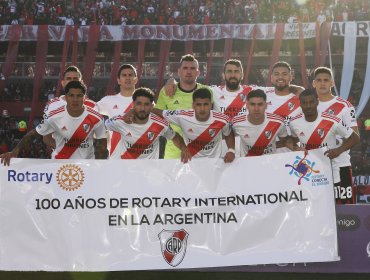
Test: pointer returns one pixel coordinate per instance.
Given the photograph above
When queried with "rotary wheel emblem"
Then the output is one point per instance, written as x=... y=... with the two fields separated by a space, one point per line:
x=70 y=177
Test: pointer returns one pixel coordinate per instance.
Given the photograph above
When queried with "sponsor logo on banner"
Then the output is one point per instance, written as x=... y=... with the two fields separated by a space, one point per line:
x=348 y=222
x=70 y=177
x=304 y=169
x=173 y=245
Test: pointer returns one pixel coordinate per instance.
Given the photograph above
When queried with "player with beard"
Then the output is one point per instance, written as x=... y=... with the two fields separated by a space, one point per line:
x=140 y=137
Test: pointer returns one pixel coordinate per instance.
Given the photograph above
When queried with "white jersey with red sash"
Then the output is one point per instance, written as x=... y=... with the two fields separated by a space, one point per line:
x=57 y=102
x=345 y=111
x=339 y=108
x=141 y=141
x=286 y=106
x=73 y=135
x=230 y=103
x=114 y=105
x=257 y=140
x=203 y=139
x=321 y=133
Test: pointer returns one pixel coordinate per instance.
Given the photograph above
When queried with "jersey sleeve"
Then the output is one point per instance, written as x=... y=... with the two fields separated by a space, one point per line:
x=283 y=131
x=292 y=131
x=226 y=130
x=169 y=134
x=172 y=116
x=114 y=124
x=100 y=131
x=349 y=117
x=45 y=127
x=343 y=130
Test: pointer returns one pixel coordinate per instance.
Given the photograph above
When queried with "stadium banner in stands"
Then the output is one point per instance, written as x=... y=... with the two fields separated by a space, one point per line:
x=168 y=32
x=101 y=215
x=353 y=222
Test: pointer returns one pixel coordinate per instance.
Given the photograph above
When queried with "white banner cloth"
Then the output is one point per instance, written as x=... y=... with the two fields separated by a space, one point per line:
x=98 y=215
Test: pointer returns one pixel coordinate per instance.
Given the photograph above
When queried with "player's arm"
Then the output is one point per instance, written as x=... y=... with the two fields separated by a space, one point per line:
x=25 y=141
x=179 y=143
x=49 y=140
x=100 y=148
x=158 y=112
x=296 y=89
x=230 y=143
x=347 y=144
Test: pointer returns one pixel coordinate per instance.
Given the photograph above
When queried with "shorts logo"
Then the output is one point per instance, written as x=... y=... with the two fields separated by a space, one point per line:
x=173 y=245
x=302 y=168
x=70 y=177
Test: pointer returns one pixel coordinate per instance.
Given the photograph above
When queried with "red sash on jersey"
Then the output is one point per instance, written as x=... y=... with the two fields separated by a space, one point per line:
x=284 y=110
x=336 y=107
x=77 y=138
x=143 y=142
x=205 y=137
x=237 y=104
x=116 y=136
x=263 y=141
x=316 y=139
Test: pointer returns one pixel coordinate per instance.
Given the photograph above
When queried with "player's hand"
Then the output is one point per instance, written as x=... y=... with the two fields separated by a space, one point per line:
x=229 y=157
x=5 y=158
x=170 y=87
x=185 y=155
x=333 y=153
x=129 y=117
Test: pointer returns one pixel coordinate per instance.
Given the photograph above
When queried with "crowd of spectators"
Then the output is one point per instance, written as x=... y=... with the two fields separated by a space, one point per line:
x=122 y=12
x=11 y=134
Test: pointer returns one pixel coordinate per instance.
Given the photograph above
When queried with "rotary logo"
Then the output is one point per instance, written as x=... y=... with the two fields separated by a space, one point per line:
x=70 y=177
x=173 y=245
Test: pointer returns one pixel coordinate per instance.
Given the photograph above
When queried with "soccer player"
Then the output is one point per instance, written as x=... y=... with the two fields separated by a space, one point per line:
x=281 y=100
x=258 y=129
x=340 y=108
x=182 y=98
x=140 y=138
x=73 y=125
x=71 y=73
x=202 y=127
x=120 y=103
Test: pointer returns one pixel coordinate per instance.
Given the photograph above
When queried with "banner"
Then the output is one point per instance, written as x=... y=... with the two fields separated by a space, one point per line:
x=353 y=222
x=101 y=215
x=192 y=32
